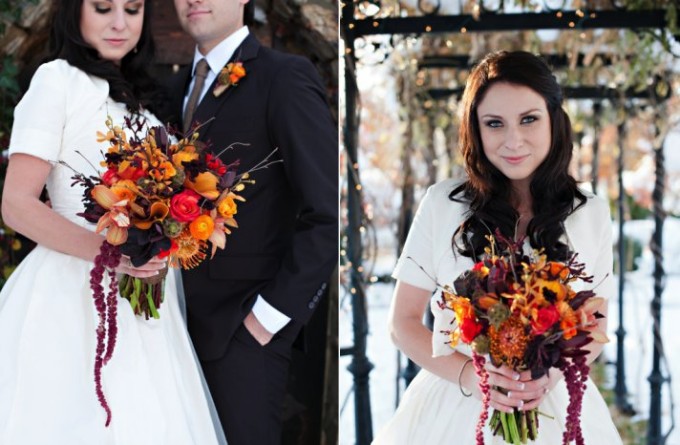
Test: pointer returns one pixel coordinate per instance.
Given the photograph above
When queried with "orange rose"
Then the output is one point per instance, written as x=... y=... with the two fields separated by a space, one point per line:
x=184 y=206
x=202 y=227
x=238 y=70
x=227 y=207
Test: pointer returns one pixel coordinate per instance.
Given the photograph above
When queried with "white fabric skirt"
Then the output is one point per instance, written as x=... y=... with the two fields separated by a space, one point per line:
x=433 y=411
x=47 y=345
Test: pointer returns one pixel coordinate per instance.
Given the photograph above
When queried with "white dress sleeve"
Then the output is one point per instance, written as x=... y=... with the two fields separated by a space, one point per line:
x=416 y=264
x=40 y=116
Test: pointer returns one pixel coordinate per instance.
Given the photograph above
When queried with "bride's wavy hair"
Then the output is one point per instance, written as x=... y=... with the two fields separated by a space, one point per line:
x=487 y=191
x=130 y=83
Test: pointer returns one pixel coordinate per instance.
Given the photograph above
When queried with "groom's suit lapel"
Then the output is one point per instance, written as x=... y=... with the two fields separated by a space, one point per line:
x=210 y=105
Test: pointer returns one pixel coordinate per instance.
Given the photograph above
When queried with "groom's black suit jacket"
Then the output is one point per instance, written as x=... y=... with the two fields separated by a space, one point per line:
x=285 y=247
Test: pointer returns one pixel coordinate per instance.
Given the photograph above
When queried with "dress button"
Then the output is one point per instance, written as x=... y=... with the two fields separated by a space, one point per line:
x=310 y=305
x=315 y=299
x=323 y=286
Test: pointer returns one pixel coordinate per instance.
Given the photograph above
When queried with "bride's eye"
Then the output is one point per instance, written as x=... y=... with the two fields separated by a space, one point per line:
x=134 y=9
x=102 y=8
x=493 y=123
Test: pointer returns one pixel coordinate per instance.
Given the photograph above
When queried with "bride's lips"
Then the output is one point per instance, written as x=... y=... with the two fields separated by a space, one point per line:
x=116 y=42
x=514 y=159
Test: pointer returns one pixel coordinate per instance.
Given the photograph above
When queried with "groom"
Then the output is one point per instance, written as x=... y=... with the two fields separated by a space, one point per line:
x=246 y=306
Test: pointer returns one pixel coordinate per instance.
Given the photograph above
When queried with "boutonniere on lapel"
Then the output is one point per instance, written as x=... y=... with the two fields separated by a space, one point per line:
x=229 y=76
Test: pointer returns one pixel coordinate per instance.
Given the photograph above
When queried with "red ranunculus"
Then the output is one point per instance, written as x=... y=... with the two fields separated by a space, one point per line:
x=184 y=206
x=132 y=173
x=110 y=177
x=545 y=319
x=469 y=330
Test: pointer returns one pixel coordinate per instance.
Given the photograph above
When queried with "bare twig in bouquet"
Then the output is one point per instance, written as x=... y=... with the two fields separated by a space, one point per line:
x=265 y=163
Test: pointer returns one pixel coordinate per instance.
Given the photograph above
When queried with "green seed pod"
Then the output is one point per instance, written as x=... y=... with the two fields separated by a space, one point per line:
x=497 y=314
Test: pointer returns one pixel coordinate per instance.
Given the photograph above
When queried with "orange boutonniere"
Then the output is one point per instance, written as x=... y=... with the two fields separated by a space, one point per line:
x=230 y=75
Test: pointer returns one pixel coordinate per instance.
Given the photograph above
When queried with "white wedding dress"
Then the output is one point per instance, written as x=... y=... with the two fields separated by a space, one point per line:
x=433 y=411
x=47 y=318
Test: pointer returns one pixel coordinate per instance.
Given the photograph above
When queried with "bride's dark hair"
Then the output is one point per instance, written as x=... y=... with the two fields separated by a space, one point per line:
x=130 y=83
x=487 y=191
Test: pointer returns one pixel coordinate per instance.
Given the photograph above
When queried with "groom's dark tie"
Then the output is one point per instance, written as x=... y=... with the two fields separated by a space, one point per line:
x=199 y=80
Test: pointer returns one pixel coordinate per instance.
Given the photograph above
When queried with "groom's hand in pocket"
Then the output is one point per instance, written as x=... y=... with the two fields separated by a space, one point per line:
x=259 y=333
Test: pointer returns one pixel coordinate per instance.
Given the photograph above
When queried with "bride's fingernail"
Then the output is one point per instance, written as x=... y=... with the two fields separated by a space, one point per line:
x=510 y=394
x=515 y=375
x=521 y=404
x=520 y=386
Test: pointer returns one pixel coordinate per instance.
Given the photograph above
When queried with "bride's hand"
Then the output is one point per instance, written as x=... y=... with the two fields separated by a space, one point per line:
x=149 y=269
x=511 y=389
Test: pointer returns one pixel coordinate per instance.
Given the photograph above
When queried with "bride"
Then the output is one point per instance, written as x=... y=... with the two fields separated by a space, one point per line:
x=516 y=141
x=47 y=318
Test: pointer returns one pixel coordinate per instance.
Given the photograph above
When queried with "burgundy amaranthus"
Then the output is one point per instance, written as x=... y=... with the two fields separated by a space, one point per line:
x=479 y=361
x=575 y=375
x=106 y=262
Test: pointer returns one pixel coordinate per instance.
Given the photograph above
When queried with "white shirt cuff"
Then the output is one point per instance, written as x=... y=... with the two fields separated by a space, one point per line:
x=271 y=318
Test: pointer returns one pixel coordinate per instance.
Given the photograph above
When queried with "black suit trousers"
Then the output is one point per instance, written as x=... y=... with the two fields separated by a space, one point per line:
x=249 y=385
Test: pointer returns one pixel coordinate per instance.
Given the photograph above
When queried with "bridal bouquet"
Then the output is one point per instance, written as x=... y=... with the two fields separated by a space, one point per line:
x=522 y=311
x=159 y=198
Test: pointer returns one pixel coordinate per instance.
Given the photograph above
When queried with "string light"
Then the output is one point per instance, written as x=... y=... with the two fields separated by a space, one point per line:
x=559 y=14
x=428 y=28
x=358 y=187
x=572 y=24
x=463 y=30
x=351 y=26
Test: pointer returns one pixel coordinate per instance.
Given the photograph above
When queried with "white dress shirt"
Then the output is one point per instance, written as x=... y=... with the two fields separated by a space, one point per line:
x=271 y=318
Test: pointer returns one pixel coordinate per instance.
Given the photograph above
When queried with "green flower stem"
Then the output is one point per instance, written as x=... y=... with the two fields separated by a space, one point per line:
x=152 y=306
x=506 y=430
x=136 y=293
x=493 y=423
x=524 y=431
x=512 y=424
x=533 y=424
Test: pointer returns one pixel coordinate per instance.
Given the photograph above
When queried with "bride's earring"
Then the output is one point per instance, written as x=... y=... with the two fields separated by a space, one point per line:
x=135 y=50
